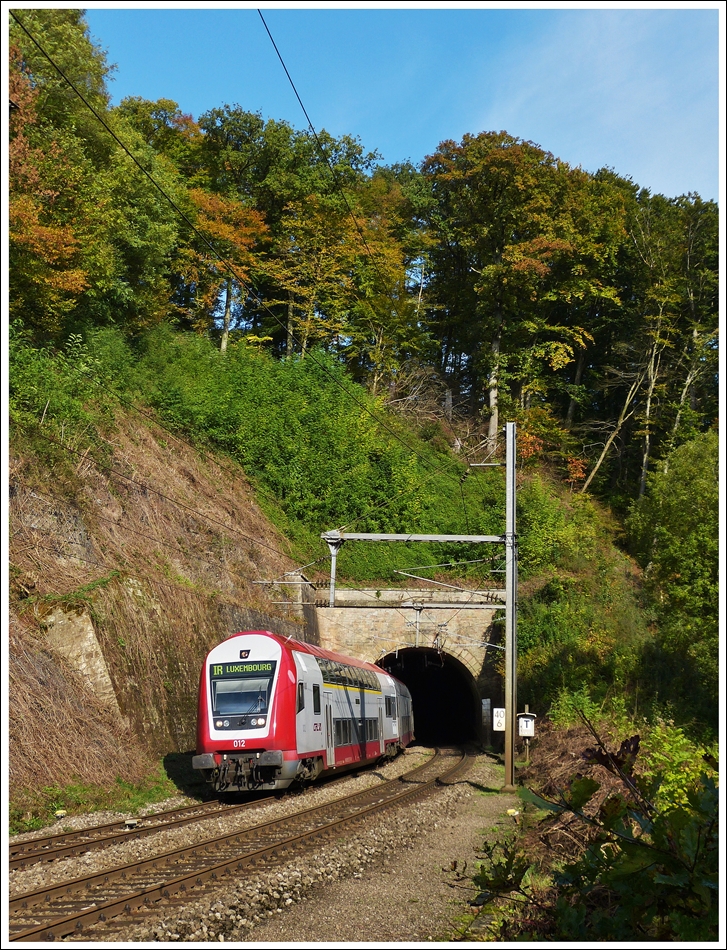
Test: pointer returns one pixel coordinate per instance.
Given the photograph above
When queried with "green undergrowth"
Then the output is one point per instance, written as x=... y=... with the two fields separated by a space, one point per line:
x=623 y=849
x=323 y=453
x=320 y=450
x=37 y=809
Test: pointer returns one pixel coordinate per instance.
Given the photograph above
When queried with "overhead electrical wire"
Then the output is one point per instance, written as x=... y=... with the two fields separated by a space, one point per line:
x=230 y=268
x=323 y=151
x=356 y=224
x=168 y=544
x=444 y=469
x=155 y=491
x=184 y=590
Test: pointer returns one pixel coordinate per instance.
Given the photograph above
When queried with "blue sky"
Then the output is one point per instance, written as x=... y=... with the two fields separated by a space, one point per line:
x=635 y=89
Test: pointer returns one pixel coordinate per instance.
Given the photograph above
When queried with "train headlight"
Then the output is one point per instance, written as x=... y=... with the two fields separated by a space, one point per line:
x=261 y=722
x=227 y=722
x=218 y=724
x=253 y=722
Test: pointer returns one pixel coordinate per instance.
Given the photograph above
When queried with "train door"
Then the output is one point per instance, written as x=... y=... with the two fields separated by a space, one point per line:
x=381 y=731
x=391 y=714
x=328 y=715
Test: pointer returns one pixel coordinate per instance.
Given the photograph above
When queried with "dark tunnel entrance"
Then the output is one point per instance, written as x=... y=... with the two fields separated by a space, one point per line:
x=447 y=707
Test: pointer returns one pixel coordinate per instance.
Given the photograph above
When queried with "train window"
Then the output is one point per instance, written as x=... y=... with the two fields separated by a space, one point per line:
x=316 y=699
x=390 y=707
x=343 y=732
x=301 y=697
x=234 y=694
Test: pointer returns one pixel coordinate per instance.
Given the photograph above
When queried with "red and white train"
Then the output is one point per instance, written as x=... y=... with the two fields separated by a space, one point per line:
x=273 y=711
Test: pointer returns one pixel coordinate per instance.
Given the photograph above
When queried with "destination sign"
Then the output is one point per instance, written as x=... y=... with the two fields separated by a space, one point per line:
x=242 y=669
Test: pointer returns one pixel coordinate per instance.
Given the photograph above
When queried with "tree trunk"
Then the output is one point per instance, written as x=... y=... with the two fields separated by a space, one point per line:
x=652 y=373
x=494 y=426
x=228 y=313
x=580 y=366
x=624 y=415
x=692 y=375
x=289 y=337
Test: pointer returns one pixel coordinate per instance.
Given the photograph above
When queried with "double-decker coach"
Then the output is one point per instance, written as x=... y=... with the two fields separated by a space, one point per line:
x=273 y=711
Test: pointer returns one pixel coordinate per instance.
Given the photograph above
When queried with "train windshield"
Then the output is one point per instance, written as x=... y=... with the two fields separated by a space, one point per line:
x=241 y=688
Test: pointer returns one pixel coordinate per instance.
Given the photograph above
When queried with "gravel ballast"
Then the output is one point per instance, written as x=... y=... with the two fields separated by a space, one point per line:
x=404 y=876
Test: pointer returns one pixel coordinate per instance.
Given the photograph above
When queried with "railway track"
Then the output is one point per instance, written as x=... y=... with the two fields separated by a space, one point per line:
x=24 y=854
x=73 y=907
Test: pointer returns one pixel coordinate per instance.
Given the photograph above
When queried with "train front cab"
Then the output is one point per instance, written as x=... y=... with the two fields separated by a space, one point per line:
x=242 y=733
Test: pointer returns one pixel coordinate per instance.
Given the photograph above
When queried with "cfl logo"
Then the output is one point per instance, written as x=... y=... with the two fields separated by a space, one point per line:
x=217 y=671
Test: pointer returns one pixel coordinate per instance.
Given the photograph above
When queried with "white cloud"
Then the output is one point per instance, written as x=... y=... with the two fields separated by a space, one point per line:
x=632 y=89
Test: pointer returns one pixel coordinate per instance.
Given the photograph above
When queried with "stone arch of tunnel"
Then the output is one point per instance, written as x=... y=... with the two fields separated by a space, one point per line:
x=446 y=704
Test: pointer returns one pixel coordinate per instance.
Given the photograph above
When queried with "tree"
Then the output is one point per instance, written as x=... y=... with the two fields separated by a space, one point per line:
x=64 y=36
x=91 y=234
x=167 y=130
x=219 y=259
x=313 y=263
x=661 y=365
x=47 y=276
x=387 y=322
x=510 y=245
x=674 y=531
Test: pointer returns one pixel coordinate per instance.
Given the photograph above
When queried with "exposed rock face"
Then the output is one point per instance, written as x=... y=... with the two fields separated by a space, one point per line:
x=71 y=633
x=126 y=569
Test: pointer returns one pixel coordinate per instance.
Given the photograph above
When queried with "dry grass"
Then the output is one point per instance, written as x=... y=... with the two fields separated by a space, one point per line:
x=163 y=551
x=59 y=731
x=558 y=757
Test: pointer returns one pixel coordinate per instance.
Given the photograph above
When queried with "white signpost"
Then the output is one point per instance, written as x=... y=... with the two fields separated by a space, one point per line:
x=498 y=720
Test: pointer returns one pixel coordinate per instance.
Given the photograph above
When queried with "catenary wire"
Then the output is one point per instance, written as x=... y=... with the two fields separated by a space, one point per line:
x=179 y=504
x=323 y=152
x=168 y=544
x=440 y=470
x=230 y=268
x=185 y=590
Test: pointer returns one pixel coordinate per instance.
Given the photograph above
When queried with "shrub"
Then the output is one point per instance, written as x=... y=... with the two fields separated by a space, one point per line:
x=648 y=865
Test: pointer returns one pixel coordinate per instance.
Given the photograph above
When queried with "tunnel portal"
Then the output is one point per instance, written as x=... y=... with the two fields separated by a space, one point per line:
x=447 y=707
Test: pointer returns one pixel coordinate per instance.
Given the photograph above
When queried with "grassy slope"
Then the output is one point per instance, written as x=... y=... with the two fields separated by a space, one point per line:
x=175 y=579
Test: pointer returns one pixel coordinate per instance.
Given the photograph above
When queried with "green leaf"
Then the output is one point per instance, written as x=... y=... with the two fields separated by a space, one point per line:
x=531 y=798
x=581 y=792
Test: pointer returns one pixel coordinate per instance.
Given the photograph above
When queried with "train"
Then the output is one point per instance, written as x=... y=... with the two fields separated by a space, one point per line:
x=274 y=712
